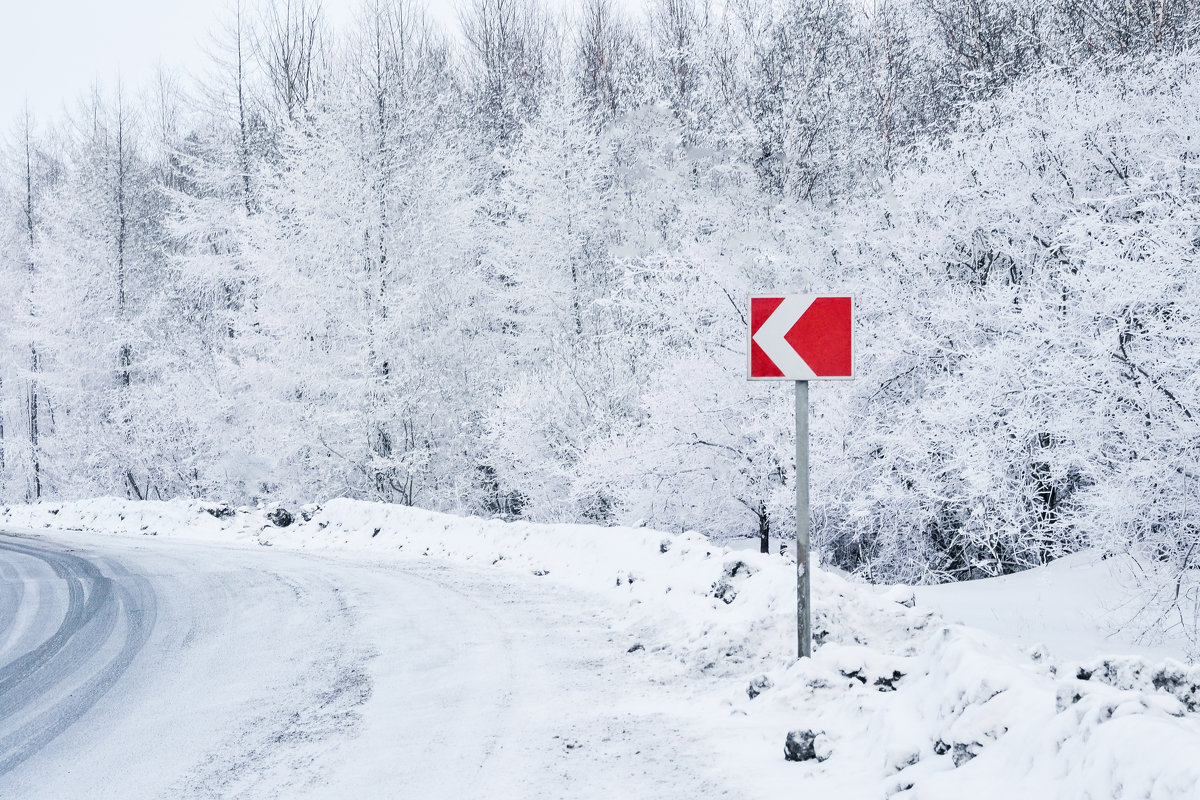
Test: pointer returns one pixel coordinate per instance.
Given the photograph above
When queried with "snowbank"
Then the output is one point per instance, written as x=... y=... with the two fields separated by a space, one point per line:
x=1081 y=605
x=896 y=702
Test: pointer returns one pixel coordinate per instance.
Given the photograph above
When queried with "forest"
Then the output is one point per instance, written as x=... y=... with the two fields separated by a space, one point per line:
x=503 y=270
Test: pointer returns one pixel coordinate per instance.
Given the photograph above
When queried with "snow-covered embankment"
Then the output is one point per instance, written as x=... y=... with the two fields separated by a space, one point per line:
x=895 y=702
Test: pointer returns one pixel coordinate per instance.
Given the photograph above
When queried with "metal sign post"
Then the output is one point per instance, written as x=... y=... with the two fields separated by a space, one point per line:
x=801 y=338
x=803 y=584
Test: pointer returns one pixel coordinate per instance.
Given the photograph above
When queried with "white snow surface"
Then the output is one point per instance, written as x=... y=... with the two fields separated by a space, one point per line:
x=1082 y=604
x=905 y=703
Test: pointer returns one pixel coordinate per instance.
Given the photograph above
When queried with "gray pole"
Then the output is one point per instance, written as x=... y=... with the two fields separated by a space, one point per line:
x=803 y=593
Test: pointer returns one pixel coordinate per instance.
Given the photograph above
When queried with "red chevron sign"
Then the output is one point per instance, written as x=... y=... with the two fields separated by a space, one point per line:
x=801 y=337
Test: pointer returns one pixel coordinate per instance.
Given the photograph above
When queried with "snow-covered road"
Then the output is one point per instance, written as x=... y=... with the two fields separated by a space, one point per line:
x=153 y=668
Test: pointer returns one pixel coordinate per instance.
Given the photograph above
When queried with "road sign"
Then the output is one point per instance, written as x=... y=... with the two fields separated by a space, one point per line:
x=803 y=337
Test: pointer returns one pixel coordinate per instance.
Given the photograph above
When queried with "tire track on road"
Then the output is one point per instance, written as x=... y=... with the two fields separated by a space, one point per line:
x=46 y=680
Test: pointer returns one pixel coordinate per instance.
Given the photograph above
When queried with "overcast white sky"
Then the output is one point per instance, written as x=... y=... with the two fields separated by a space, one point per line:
x=52 y=51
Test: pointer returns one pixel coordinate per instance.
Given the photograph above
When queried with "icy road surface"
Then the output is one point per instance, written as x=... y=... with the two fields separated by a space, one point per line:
x=154 y=668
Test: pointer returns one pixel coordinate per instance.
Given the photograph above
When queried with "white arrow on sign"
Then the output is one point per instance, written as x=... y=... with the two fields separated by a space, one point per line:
x=770 y=337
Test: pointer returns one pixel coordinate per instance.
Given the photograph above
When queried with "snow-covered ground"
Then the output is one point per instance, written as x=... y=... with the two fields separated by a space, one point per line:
x=661 y=665
x=1078 y=606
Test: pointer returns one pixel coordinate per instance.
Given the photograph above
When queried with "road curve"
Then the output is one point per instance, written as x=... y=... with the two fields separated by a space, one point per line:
x=52 y=675
x=156 y=668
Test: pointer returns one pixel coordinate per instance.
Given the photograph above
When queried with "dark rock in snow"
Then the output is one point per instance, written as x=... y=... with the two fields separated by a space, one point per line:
x=1183 y=682
x=855 y=674
x=962 y=753
x=887 y=684
x=633 y=648
x=941 y=748
x=802 y=746
x=1131 y=673
x=758 y=686
x=280 y=517
x=725 y=589
x=736 y=568
x=220 y=511
x=1068 y=695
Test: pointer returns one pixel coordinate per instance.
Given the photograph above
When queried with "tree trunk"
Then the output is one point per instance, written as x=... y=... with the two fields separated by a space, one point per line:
x=137 y=493
x=35 y=463
x=35 y=460
x=125 y=354
x=764 y=529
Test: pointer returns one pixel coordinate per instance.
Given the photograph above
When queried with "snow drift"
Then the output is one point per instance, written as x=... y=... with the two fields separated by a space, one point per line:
x=895 y=702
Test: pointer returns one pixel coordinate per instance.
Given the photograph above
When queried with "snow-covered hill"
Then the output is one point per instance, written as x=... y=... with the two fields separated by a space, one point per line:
x=897 y=701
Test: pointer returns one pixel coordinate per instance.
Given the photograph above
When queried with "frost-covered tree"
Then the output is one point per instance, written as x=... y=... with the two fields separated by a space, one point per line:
x=34 y=172
x=507 y=274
